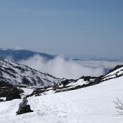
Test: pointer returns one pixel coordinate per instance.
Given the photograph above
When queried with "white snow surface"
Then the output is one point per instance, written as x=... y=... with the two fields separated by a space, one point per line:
x=79 y=82
x=87 y=105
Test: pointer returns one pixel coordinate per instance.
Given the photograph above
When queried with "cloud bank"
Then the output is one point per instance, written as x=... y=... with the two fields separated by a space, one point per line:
x=62 y=68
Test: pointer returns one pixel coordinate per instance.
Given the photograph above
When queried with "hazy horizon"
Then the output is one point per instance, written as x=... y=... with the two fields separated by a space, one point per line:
x=74 y=57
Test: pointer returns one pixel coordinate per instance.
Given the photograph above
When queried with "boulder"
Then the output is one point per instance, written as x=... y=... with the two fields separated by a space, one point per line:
x=23 y=107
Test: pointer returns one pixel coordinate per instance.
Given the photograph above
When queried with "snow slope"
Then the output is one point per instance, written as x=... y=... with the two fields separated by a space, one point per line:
x=92 y=104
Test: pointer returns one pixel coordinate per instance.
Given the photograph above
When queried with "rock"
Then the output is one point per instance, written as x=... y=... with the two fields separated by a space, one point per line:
x=23 y=107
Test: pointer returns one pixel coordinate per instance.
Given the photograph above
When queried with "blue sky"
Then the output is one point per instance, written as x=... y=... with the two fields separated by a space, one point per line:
x=67 y=27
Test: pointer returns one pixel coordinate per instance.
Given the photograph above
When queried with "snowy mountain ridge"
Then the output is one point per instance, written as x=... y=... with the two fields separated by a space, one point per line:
x=114 y=73
x=23 y=75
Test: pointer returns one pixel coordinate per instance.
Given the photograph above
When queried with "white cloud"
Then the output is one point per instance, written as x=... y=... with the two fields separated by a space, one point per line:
x=60 y=67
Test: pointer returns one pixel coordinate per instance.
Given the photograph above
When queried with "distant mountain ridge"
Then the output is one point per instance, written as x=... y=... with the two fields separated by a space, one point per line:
x=22 y=54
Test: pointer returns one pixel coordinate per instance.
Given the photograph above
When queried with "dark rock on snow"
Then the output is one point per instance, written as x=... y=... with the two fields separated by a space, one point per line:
x=24 y=107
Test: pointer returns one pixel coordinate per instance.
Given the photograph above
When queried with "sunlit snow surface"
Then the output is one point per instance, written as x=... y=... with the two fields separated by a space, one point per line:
x=87 y=105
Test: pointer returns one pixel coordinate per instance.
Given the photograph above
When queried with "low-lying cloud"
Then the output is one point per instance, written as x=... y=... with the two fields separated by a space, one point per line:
x=62 y=68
